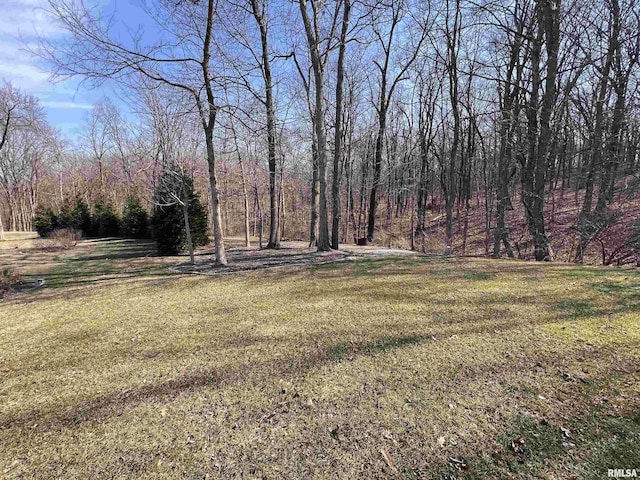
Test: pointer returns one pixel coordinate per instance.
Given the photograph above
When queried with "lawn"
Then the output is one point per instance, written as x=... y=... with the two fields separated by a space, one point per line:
x=408 y=367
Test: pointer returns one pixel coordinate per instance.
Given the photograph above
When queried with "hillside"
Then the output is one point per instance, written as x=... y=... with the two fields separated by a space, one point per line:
x=561 y=211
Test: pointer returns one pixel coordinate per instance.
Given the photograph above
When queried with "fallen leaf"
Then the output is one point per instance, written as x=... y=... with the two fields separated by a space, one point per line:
x=387 y=458
x=441 y=441
x=518 y=445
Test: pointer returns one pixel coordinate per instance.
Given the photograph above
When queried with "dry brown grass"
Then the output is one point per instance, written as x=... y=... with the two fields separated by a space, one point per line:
x=121 y=370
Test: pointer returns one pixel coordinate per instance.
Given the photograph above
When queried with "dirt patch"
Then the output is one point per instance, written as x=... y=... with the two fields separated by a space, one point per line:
x=246 y=260
x=21 y=286
x=291 y=254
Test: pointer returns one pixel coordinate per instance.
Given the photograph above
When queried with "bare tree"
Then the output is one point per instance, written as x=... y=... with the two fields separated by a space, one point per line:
x=338 y=153
x=258 y=58
x=318 y=63
x=509 y=86
x=183 y=60
x=388 y=41
x=535 y=165
x=26 y=144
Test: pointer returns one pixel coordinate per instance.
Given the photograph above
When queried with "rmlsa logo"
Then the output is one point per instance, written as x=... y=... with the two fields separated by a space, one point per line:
x=621 y=473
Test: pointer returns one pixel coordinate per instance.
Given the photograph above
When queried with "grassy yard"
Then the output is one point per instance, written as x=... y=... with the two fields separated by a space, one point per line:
x=377 y=368
x=12 y=240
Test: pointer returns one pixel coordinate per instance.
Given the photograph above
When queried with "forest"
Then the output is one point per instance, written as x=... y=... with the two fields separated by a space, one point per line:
x=505 y=128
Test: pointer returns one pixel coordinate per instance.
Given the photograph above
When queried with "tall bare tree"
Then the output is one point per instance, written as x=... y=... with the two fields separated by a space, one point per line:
x=318 y=58
x=390 y=74
x=338 y=134
x=182 y=60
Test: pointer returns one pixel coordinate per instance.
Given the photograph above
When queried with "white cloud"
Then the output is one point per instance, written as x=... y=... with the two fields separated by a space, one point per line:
x=23 y=75
x=66 y=105
x=22 y=22
x=26 y=18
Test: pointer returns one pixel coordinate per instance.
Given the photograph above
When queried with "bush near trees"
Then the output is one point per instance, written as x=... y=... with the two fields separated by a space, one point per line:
x=105 y=222
x=81 y=217
x=65 y=238
x=45 y=221
x=135 y=220
x=167 y=222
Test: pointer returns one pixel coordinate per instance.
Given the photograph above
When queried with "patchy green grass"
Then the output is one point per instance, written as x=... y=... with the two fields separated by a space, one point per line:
x=612 y=442
x=366 y=369
x=573 y=309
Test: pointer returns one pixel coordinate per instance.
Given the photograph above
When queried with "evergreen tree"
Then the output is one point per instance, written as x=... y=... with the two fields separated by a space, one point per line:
x=198 y=221
x=168 y=225
x=81 y=217
x=135 y=220
x=105 y=221
x=65 y=217
x=45 y=221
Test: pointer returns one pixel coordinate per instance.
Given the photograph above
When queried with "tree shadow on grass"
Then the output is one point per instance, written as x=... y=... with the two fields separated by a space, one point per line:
x=320 y=353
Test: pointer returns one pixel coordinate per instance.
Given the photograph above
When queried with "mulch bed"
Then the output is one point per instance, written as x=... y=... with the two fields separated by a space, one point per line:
x=9 y=289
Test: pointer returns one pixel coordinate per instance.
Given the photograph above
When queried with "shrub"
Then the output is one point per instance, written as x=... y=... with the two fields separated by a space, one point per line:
x=81 y=217
x=135 y=220
x=45 y=221
x=105 y=221
x=65 y=238
x=168 y=219
x=198 y=221
x=65 y=217
x=8 y=278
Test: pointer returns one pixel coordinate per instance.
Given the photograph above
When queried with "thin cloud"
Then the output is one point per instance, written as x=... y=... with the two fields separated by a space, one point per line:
x=26 y=19
x=67 y=105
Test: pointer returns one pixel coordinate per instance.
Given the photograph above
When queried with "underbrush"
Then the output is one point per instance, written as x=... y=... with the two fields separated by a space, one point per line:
x=65 y=238
x=9 y=278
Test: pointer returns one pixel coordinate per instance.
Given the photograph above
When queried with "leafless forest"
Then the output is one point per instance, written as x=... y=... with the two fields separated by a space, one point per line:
x=495 y=127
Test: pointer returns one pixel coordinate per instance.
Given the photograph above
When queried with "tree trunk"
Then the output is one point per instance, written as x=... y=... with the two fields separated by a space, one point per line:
x=536 y=169
x=315 y=196
x=319 y=127
x=187 y=229
x=221 y=257
x=337 y=155
x=274 y=230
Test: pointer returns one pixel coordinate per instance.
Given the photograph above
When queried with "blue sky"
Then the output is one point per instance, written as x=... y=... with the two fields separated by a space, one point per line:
x=66 y=103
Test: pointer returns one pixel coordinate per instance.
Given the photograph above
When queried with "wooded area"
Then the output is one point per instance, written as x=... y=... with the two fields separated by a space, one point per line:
x=491 y=127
